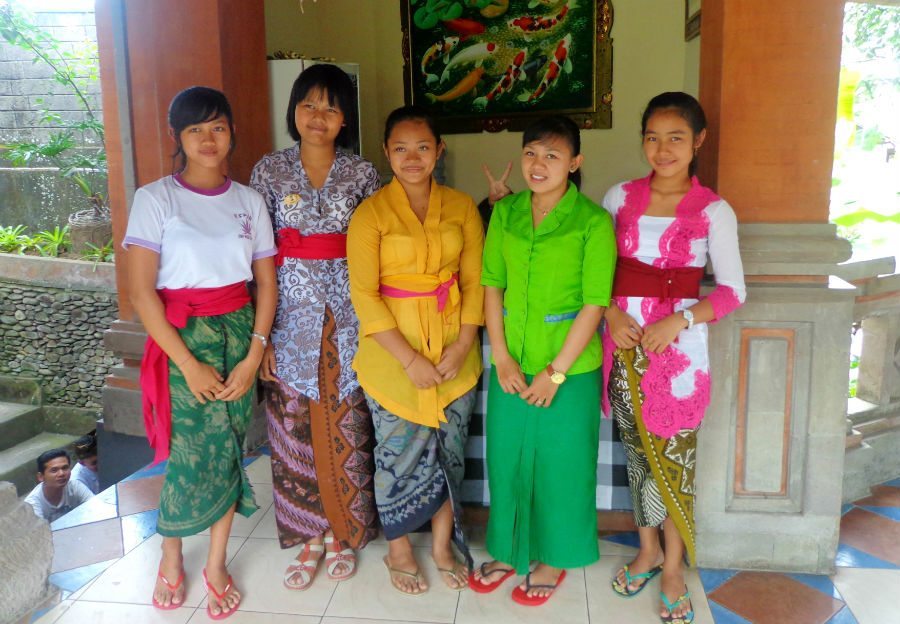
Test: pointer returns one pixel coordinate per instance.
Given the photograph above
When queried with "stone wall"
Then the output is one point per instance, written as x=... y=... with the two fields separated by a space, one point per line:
x=52 y=317
x=37 y=197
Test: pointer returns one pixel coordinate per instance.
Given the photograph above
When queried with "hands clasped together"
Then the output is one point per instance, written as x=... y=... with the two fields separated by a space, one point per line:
x=207 y=384
x=627 y=333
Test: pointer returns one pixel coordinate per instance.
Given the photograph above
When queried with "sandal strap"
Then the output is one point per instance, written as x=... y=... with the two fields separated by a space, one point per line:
x=629 y=577
x=485 y=573
x=529 y=586
x=212 y=589
x=674 y=605
x=172 y=586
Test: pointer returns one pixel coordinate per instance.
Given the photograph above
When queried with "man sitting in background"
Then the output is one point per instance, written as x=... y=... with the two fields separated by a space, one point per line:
x=56 y=495
x=85 y=469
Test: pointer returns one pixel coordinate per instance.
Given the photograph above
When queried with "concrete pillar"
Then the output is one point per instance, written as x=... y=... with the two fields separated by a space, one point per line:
x=145 y=59
x=771 y=450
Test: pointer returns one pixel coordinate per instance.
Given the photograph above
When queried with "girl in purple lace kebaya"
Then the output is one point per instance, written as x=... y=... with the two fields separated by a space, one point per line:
x=656 y=364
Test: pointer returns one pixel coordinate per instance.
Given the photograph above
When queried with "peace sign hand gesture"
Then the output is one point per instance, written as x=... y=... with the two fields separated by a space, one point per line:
x=497 y=189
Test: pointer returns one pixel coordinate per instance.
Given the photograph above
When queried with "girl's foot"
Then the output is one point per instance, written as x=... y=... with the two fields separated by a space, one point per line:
x=644 y=563
x=674 y=592
x=454 y=573
x=302 y=570
x=405 y=574
x=169 y=590
x=340 y=559
x=545 y=576
x=490 y=575
x=224 y=597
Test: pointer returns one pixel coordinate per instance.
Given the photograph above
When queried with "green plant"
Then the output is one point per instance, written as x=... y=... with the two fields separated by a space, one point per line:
x=52 y=243
x=96 y=254
x=13 y=239
x=82 y=162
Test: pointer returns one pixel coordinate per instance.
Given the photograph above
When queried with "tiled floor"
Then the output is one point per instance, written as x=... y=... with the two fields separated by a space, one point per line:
x=108 y=551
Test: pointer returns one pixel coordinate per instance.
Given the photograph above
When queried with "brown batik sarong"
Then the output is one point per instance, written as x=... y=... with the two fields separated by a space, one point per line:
x=660 y=470
x=322 y=462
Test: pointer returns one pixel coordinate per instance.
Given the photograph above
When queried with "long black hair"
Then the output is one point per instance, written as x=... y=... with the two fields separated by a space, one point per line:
x=192 y=106
x=686 y=106
x=338 y=88
x=556 y=126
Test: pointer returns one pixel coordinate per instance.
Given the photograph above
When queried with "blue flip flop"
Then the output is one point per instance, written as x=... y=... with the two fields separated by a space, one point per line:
x=630 y=578
x=687 y=618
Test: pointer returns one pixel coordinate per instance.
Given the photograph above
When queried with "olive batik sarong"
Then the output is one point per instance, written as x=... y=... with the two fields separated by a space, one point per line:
x=542 y=474
x=322 y=462
x=204 y=475
x=660 y=470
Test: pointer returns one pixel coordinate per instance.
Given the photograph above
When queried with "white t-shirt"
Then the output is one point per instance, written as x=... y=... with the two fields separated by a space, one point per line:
x=86 y=476
x=75 y=493
x=204 y=238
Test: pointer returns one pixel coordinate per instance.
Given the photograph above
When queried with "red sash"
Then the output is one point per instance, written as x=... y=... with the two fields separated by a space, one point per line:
x=180 y=304
x=293 y=244
x=638 y=279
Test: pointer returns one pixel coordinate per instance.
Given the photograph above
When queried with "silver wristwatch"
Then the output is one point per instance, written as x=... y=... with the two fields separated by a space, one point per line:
x=689 y=317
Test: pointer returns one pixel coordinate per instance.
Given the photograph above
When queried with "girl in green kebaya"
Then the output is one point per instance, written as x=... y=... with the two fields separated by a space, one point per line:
x=548 y=265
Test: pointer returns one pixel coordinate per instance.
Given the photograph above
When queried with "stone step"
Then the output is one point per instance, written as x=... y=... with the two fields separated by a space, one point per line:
x=17 y=464
x=18 y=422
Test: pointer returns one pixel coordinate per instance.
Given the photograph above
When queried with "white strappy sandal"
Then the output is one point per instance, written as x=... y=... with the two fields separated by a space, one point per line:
x=305 y=568
x=346 y=557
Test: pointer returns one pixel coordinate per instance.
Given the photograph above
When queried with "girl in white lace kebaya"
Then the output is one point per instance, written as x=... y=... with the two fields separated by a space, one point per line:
x=656 y=364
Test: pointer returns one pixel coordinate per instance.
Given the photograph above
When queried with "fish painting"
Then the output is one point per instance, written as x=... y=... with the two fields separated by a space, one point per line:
x=465 y=28
x=514 y=72
x=440 y=49
x=531 y=24
x=473 y=54
x=558 y=64
x=462 y=87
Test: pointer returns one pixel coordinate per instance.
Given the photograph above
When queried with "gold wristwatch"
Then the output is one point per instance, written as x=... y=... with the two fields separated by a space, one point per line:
x=555 y=376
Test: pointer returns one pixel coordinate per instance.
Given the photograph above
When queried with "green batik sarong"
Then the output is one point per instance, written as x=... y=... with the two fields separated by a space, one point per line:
x=204 y=474
x=542 y=474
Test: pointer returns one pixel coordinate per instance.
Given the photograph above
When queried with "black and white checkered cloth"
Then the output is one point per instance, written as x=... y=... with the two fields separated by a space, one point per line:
x=612 y=477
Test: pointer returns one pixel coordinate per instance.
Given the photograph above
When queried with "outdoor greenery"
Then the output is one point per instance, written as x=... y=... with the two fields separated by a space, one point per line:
x=15 y=239
x=76 y=148
x=866 y=179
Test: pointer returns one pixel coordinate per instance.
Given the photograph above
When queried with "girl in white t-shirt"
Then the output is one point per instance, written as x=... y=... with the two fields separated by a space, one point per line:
x=194 y=240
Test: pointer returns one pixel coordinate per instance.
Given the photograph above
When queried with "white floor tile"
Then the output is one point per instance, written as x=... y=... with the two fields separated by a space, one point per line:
x=337 y=620
x=114 y=613
x=605 y=605
x=132 y=578
x=248 y=617
x=870 y=594
x=265 y=528
x=260 y=471
x=616 y=550
x=56 y=612
x=370 y=594
x=244 y=527
x=567 y=605
x=258 y=569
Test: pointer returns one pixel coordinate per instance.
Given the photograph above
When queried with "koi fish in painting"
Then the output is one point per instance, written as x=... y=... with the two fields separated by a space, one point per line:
x=531 y=67
x=465 y=28
x=461 y=88
x=558 y=64
x=531 y=24
x=513 y=74
x=473 y=54
x=441 y=48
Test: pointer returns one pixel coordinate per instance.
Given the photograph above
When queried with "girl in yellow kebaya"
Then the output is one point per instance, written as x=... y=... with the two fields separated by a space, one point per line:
x=414 y=253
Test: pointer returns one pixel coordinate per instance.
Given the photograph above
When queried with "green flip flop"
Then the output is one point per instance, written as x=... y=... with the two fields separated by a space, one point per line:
x=623 y=590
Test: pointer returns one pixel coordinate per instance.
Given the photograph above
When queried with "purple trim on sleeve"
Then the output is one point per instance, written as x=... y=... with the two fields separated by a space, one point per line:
x=208 y=192
x=140 y=242
x=724 y=300
x=268 y=253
